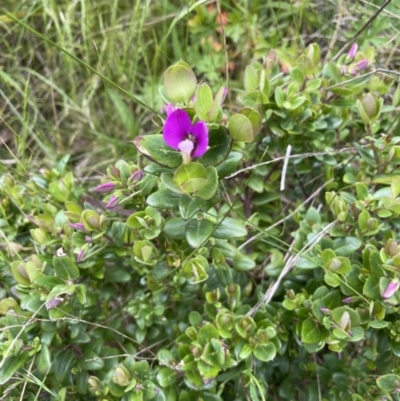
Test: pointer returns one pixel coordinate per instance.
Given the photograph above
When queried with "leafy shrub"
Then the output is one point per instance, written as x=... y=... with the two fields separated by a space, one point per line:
x=239 y=273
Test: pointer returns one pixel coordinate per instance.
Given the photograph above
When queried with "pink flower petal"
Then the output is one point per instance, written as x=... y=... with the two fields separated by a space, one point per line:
x=353 y=50
x=177 y=127
x=200 y=132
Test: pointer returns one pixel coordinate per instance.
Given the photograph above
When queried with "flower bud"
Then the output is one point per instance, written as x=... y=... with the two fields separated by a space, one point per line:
x=353 y=50
x=369 y=108
x=80 y=256
x=136 y=176
x=77 y=226
x=40 y=236
x=224 y=93
x=348 y=300
x=106 y=187
x=113 y=173
x=122 y=376
x=362 y=64
x=325 y=310
x=391 y=289
x=91 y=220
x=94 y=382
x=113 y=201
x=391 y=247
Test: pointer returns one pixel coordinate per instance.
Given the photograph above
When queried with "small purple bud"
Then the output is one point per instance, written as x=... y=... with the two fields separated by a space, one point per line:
x=362 y=64
x=353 y=50
x=136 y=176
x=53 y=303
x=343 y=70
x=391 y=289
x=80 y=256
x=106 y=187
x=77 y=226
x=88 y=239
x=348 y=300
x=324 y=310
x=112 y=202
x=168 y=109
x=224 y=92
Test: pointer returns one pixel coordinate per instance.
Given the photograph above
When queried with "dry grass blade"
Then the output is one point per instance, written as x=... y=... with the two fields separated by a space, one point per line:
x=292 y=260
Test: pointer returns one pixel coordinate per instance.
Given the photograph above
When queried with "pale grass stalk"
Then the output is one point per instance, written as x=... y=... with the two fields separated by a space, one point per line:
x=292 y=260
x=285 y=164
x=311 y=197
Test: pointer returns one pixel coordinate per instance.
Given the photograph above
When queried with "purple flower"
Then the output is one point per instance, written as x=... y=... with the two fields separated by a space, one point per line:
x=348 y=300
x=343 y=70
x=113 y=201
x=180 y=134
x=353 y=50
x=224 y=92
x=80 y=256
x=362 y=64
x=391 y=289
x=88 y=239
x=106 y=187
x=136 y=176
x=77 y=226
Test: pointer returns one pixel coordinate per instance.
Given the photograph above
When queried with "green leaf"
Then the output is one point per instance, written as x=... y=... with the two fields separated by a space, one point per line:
x=354 y=316
x=155 y=149
x=211 y=186
x=164 y=199
x=43 y=359
x=203 y=102
x=230 y=228
x=241 y=128
x=180 y=83
x=48 y=282
x=346 y=246
x=254 y=117
x=265 y=353
x=371 y=288
x=166 y=377
x=366 y=155
x=220 y=143
x=195 y=269
x=165 y=357
x=197 y=232
x=208 y=372
x=251 y=81
x=189 y=206
x=279 y=96
x=229 y=165
x=310 y=332
x=207 y=332
x=175 y=228
x=10 y=365
x=64 y=267
x=389 y=383
x=190 y=177
x=62 y=364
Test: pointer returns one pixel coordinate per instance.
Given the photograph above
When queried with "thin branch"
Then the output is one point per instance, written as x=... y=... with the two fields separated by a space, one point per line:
x=374 y=71
x=291 y=157
x=261 y=233
x=289 y=265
